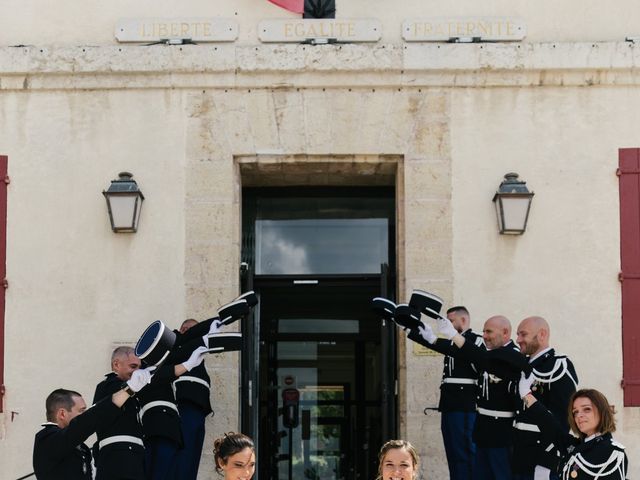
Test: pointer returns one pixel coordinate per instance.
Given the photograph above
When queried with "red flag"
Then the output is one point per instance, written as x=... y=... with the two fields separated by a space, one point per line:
x=296 y=6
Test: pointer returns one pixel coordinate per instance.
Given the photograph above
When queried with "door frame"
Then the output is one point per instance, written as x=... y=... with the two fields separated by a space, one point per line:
x=250 y=356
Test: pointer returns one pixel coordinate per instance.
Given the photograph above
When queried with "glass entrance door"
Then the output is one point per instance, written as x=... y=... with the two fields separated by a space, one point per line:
x=321 y=379
x=318 y=367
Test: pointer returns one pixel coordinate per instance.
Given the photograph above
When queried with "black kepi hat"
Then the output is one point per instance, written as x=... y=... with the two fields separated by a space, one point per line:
x=224 y=342
x=233 y=311
x=408 y=317
x=384 y=307
x=155 y=343
x=250 y=297
x=426 y=302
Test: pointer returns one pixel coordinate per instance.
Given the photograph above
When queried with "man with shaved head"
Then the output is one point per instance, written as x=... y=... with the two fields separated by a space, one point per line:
x=499 y=368
x=555 y=382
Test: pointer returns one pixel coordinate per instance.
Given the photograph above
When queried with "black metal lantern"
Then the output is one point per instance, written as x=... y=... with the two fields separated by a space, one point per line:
x=513 y=201
x=124 y=201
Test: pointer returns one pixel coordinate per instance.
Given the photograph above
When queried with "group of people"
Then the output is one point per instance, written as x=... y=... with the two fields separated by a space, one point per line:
x=149 y=422
x=507 y=409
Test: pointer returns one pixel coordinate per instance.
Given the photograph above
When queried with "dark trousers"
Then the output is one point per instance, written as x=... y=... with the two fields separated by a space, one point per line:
x=120 y=461
x=492 y=464
x=192 y=423
x=457 y=428
x=160 y=459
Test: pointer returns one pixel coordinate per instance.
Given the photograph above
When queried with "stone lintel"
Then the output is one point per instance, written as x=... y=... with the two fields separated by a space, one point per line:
x=412 y=65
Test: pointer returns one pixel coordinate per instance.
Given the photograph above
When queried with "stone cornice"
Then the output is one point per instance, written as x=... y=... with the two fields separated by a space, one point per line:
x=409 y=65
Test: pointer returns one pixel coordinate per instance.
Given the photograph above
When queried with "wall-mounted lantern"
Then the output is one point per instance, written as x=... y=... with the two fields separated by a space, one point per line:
x=124 y=201
x=513 y=201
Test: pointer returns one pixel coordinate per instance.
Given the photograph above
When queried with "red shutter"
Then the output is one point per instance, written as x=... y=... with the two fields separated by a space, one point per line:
x=629 y=175
x=4 y=180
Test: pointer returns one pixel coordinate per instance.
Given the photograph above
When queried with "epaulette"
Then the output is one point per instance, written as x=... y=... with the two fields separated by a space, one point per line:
x=559 y=370
x=618 y=445
x=615 y=463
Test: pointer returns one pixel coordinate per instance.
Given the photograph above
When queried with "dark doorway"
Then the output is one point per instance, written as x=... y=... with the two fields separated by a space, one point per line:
x=319 y=367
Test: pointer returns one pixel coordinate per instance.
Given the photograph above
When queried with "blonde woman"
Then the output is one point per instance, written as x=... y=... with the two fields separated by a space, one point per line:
x=398 y=460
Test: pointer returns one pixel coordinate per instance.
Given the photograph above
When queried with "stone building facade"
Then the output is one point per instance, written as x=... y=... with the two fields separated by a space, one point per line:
x=439 y=123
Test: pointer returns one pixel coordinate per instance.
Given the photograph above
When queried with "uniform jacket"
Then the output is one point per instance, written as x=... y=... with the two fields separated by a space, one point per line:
x=193 y=387
x=455 y=397
x=556 y=381
x=121 y=460
x=158 y=405
x=600 y=458
x=499 y=372
x=60 y=454
x=158 y=410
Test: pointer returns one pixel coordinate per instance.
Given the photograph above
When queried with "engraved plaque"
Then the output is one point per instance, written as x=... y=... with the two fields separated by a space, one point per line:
x=301 y=30
x=159 y=29
x=443 y=29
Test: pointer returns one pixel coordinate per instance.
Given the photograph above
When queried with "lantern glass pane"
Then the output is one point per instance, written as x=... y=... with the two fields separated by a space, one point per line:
x=138 y=207
x=515 y=213
x=122 y=210
x=498 y=204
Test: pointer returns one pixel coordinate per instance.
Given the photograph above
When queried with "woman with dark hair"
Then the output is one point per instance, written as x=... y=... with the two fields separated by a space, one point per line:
x=235 y=456
x=592 y=453
x=397 y=460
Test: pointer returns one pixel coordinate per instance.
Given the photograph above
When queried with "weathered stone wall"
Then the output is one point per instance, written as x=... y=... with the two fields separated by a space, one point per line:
x=227 y=124
x=193 y=123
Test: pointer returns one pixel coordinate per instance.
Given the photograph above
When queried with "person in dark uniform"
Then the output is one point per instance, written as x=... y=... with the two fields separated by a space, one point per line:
x=592 y=453
x=159 y=413
x=499 y=366
x=165 y=440
x=192 y=393
x=160 y=427
x=119 y=450
x=120 y=446
x=555 y=380
x=59 y=452
x=458 y=392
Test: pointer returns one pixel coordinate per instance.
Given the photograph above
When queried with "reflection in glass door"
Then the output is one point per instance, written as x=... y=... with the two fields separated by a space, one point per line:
x=314 y=422
x=321 y=393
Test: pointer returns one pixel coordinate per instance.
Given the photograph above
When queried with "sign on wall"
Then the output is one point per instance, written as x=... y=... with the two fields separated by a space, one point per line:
x=422 y=351
x=330 y=29
x=194 y=29
x=444 y=29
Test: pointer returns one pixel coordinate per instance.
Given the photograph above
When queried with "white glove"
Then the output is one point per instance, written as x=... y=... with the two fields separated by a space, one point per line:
x=446 y=328
x=524 y=385
x=427 y=333
x=196 y=358
x=215 y=327
x=140 y=378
